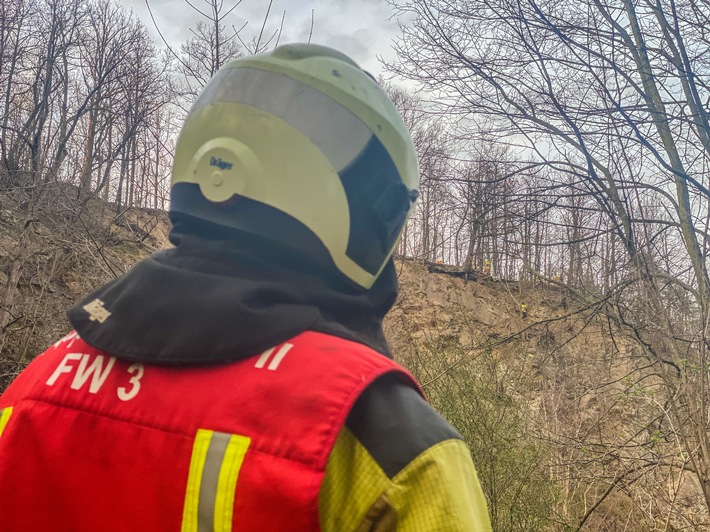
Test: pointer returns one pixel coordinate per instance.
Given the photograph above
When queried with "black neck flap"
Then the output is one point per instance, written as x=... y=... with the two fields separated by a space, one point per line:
x=223 y=298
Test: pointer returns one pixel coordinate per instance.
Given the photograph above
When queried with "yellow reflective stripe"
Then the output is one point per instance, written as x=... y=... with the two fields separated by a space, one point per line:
x=194 y=479
x=4 y=417
x=212 y=481
x=227 y=486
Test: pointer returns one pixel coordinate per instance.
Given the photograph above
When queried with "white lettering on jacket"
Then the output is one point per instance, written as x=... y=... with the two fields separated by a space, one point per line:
x=95 y=372
x=276 y=360
x=127 y=395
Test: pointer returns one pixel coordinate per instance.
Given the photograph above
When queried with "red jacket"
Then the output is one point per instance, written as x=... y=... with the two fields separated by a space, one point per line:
x=89 y=442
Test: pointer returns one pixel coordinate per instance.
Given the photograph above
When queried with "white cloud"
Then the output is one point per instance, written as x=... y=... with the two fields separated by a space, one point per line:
x=359 y=28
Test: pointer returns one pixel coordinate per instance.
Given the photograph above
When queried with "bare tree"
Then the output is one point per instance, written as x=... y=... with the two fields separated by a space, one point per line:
x=56 y=31
x=609 y=97
x=214 y=41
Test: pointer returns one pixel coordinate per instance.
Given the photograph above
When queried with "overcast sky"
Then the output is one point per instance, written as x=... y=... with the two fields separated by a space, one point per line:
x=363 y=29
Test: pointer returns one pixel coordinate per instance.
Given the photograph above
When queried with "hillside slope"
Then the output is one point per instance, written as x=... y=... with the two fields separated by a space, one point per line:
x=560 y=433
x=53 y=250
x=559 y=407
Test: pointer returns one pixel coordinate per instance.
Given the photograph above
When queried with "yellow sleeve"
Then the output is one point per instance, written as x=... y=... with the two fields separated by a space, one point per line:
x=437 y=491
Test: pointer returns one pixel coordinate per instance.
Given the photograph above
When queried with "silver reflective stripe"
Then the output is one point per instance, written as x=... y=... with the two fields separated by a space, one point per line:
x=212 y=481
x=337 y=132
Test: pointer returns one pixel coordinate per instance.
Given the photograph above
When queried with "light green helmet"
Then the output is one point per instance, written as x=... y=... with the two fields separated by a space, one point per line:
x=302 y=147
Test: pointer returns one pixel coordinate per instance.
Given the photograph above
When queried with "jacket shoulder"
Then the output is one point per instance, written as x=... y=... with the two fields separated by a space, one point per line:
x=394 y=423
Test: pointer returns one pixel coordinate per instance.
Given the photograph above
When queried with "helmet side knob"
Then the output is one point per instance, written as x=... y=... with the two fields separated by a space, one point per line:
x=228 y=166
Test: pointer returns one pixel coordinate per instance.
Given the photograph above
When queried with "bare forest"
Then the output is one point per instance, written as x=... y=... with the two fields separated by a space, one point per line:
x=564 y=151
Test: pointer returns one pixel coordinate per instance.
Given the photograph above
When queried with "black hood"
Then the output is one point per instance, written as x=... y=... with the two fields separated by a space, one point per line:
x=219 y=296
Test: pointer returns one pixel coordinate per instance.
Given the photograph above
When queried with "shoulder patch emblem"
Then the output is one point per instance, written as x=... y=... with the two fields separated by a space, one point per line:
x=96 y=311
